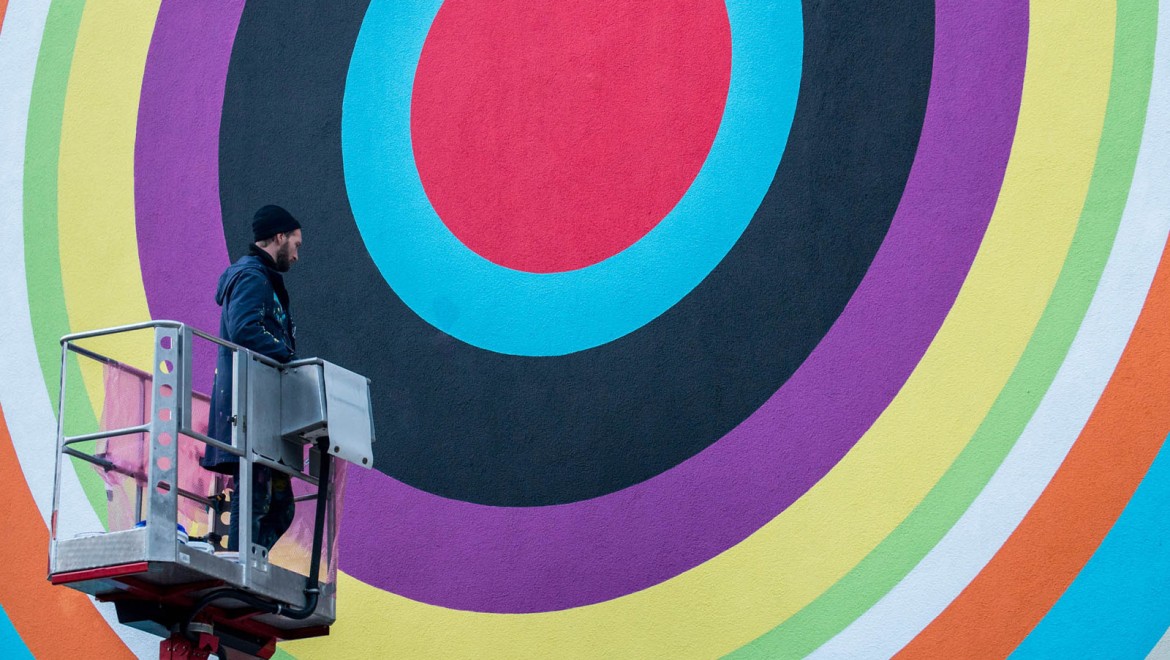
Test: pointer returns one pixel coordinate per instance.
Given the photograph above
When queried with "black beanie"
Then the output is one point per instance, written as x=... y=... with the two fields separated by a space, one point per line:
x=272 y=220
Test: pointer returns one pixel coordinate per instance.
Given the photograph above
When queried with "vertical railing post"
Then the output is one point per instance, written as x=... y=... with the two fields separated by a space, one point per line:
x=163 y=486
x=186 y=369
x=59 y=459
x=241 y=363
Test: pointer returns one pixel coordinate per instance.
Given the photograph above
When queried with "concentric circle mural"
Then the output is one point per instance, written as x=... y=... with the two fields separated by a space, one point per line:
x=696 y=328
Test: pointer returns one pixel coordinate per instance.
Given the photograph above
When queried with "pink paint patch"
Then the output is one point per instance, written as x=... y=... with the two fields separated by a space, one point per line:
x=552 y=135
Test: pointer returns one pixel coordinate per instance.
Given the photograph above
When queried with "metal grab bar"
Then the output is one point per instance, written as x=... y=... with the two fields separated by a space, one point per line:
x=181 y=327
x=281 y=467
x=74 y=439
x=207 y=440
x=89 y=334
x=140 y=477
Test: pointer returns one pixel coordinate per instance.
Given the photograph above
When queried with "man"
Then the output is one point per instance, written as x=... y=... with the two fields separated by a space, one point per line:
x=255 y=315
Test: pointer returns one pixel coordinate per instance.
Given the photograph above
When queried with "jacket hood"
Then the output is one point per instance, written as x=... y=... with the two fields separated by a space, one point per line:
x=229 y=277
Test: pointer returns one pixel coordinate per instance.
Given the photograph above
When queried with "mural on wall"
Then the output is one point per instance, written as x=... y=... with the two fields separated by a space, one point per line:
x=696 y=328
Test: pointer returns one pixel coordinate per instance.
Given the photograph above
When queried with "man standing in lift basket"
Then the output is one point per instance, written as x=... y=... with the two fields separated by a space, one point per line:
x=255 y=315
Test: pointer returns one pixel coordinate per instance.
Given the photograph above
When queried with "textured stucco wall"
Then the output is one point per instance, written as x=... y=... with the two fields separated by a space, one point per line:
x=768 y=329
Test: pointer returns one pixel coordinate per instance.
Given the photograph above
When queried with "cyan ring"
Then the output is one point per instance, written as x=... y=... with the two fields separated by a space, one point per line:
x=543 y=314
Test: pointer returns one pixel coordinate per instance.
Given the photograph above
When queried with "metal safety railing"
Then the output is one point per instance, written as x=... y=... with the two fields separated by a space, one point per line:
x=171 y=417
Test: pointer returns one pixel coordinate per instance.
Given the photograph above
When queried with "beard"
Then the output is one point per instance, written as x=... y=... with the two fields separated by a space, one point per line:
x=283 y=263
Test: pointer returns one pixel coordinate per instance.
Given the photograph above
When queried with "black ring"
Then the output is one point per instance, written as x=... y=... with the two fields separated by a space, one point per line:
x=474 y=425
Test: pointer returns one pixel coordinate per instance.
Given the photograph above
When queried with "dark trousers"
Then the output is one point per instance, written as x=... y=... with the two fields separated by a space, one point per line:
x=273 y=508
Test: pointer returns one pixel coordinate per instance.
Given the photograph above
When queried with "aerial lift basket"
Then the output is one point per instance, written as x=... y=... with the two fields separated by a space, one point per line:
x=158 y=554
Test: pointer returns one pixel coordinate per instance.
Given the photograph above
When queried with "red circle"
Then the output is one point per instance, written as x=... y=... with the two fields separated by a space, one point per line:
x=551 y=135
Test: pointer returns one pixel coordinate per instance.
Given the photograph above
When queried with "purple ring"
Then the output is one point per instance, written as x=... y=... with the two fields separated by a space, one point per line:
x=181 y=246
x=529 y=559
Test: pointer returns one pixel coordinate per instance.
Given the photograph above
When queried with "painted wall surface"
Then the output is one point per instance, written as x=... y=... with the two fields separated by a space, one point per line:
x=696 y=328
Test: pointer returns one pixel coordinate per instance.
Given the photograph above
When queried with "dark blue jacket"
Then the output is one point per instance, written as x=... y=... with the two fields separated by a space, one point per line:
x=255 y=316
